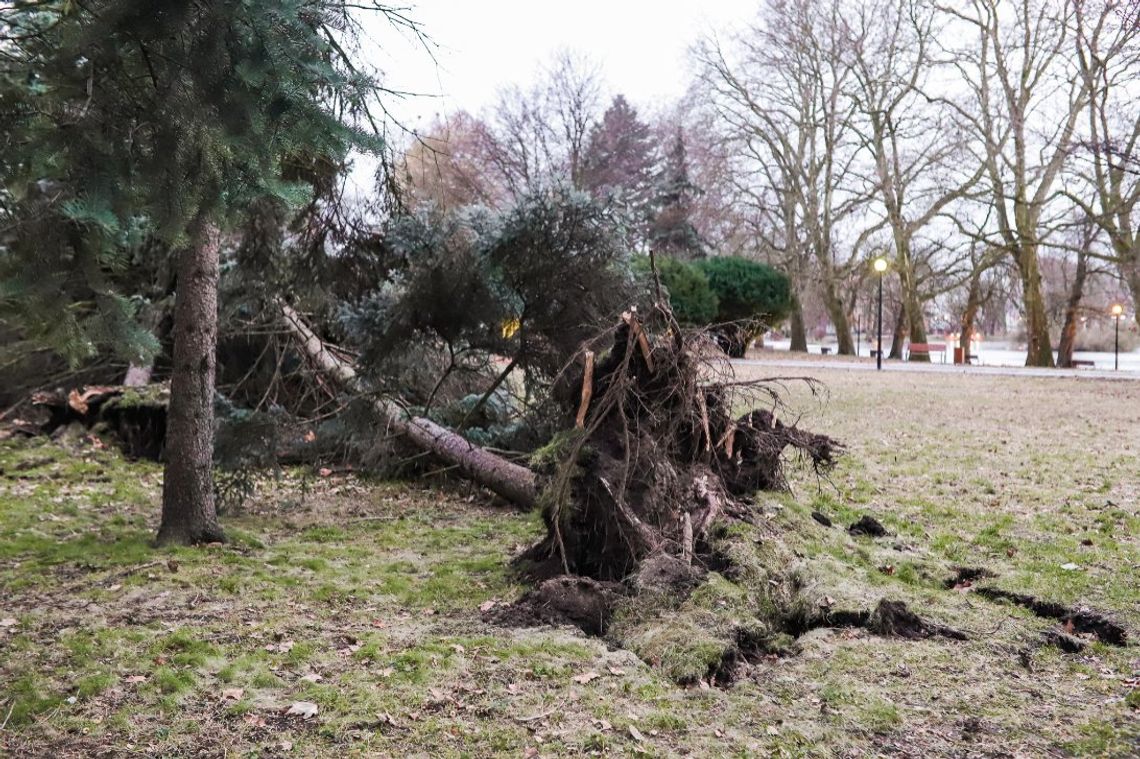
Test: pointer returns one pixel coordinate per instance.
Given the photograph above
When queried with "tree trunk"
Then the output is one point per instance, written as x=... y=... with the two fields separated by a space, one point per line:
x=513 y=482
x=970 y=315
x=838 y=315
x=1072 y=308
x=798 y=329
x=188 y=513
x=912 y=307
x=898 y=338
x=1039 y=348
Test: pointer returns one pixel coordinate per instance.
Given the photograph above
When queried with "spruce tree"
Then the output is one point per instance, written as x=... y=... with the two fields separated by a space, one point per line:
x=162 y=119
x=672 y=232
x=618 y=164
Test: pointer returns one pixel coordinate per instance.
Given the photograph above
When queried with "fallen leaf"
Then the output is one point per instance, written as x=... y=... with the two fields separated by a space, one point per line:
x=234 y=694
x=530 y=752
x=324 y=471
x=387 y=672
x=773 y=730
x=887 y=569
x=586 y=677
x=285 y=745
x=135 y=679
x=487 y=605
x=9 y=622
x=253 y=719
x=602 y=725
x=312 y=677
x=457 y=648
x=1070 y=567
x=310 y=436
x=617 y=671
x=637 y=736
x=302 y=709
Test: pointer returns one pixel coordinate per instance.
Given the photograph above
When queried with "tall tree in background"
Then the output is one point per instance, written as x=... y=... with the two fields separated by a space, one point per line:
x=538 y=133
x=619 y=157
x=780 y=91
x=1026 y=100
x=167 y=120
x=671 y=231
x=915 y=147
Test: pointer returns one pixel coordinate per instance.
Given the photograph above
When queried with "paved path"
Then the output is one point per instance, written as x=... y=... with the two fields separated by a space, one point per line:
x=920 y=368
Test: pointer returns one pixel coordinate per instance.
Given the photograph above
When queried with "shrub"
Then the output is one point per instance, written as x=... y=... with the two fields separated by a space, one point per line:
x=692 y=300
x=747 y=290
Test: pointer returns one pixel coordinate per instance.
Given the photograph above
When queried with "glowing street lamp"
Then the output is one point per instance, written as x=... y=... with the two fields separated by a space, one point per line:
x=1117 y=311
x=880 y=266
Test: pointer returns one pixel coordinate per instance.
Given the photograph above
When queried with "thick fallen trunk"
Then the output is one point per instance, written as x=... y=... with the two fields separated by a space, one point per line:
x=514 y=482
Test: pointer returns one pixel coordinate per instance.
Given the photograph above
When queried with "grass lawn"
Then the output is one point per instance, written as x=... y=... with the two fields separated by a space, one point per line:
x=364 y=598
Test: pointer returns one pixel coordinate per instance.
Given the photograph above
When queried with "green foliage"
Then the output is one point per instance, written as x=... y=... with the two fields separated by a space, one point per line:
x=529 y=283
x=692 y=300
x=128 y=122
x=747 y=290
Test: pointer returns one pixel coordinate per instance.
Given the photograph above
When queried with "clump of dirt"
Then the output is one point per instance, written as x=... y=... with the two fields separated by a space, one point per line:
x=893 y=618
x=965 y=577
x=867 y=525
x=580 y=601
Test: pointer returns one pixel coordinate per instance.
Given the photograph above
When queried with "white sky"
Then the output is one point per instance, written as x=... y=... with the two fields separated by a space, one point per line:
x=640 y=45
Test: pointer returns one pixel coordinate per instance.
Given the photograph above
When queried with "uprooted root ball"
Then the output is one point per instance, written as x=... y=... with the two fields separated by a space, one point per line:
x=645 y=495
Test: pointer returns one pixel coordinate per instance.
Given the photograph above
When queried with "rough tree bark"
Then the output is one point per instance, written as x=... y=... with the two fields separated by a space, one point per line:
x=797 y=327
x=970 y=314
x=898 y=337
x=837 y=312
x=514 y=482
x=188 y=511
x=1072 y=308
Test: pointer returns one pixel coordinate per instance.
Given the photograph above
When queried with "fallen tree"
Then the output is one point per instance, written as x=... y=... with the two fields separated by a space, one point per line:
x=514 y=482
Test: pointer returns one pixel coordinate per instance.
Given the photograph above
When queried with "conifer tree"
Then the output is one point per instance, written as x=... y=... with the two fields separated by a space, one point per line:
x=162 y=119
x=672 y=232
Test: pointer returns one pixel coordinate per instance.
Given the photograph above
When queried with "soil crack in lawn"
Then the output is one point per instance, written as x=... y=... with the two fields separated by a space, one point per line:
x=1082 y=621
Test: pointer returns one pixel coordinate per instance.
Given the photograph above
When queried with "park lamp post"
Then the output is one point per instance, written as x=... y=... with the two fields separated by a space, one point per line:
x=880 y=266
x=1117 y=311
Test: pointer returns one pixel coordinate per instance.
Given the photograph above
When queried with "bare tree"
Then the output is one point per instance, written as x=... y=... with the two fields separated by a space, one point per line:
x=915 y=146
x=1026 y=97
x=779 y=88
x=535 y=134
x=1105 y=178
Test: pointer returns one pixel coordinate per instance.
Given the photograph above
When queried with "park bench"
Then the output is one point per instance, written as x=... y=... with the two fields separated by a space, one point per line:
x=1076 y=363
x=929 y=348
x=824 y=350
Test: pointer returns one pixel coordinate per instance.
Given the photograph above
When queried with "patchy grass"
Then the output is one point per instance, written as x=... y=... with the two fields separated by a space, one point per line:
x=363 y=598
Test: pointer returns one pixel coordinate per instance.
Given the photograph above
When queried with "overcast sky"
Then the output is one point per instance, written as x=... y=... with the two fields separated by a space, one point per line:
x=640 y=45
